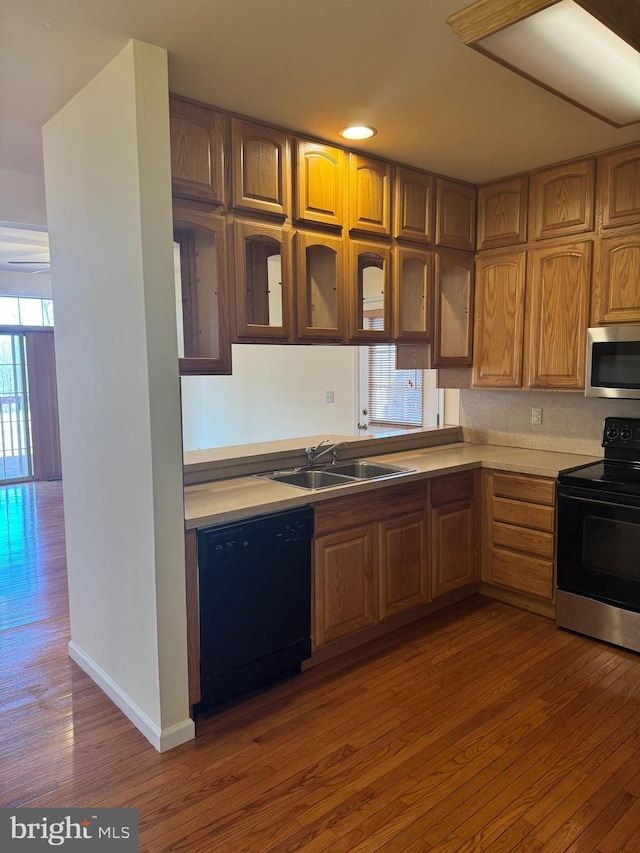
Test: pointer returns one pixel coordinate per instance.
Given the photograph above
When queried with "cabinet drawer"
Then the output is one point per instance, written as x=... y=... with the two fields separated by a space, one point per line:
x=386 y=502
x=533 y=542
x=524 y=574
x=456 y=487
x=528 y=489
x=524 y=514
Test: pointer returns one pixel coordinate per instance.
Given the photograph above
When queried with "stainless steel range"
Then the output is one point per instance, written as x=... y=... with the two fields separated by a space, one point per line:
x=599 y=541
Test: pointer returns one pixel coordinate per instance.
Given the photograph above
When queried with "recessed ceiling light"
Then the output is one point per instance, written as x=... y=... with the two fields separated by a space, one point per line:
x=358 y=132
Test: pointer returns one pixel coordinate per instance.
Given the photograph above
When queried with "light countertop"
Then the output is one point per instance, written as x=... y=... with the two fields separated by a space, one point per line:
x=241 y=497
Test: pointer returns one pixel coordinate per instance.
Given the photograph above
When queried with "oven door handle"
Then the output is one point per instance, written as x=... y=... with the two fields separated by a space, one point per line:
x=632 y=503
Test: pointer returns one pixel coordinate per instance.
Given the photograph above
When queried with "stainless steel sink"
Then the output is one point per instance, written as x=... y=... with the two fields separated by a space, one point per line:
x=310 y=479
x=335 y=475
x=363 y=470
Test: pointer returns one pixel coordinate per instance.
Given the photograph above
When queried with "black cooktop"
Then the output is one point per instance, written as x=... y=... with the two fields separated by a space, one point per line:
x=619 y=471
x=621 y=477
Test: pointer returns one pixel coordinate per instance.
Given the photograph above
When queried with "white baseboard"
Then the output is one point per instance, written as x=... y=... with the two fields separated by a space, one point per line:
x=162 y=740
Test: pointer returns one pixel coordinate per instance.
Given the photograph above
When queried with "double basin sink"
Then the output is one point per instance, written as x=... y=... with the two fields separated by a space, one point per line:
x=335 y=475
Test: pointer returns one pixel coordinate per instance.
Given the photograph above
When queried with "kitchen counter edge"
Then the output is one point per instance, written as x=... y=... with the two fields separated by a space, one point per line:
x=235 y=499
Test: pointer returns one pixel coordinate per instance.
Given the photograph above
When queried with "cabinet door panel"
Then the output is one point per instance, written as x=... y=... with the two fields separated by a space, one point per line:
x=453 y=312
x=616 y=297
x=320 y=179
x=502 y=213
x=320 y=287
x=263 y=281
x=261 y=168
x=620 y=188
x=370 y=292
x=558 y=302
x=370 y=195
x=561 y=200
x=197 y=152
x=499 y=320
x=204 y=338
x=412 y=292
x=402 y=566
x=453 y=549
x=413 y=205
x=455 y=215
x=344 y=583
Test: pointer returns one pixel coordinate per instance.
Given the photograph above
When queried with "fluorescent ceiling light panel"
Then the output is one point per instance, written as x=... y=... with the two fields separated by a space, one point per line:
x=571 y=53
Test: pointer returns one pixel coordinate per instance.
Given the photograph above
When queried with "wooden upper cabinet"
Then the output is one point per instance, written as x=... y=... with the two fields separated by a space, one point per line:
x=370 y=292
x=502 y=213
x=369 y=195
x=558 y=306
x=561 y=200
x=197 y=151
x=204 y=341
x=263 y=279
x=619 y=190
x=455 y=215
x=453 y=311
x=412 y=294
x=616 y=294
x=320 y=281
x=498 y=335
x=261 y=176
x=320 y=181
x=413 y=212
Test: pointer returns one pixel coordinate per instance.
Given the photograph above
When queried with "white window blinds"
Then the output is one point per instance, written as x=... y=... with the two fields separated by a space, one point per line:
x=395 y=396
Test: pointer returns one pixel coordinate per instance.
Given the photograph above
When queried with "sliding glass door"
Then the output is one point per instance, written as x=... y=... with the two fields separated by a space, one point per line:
x=16 y=455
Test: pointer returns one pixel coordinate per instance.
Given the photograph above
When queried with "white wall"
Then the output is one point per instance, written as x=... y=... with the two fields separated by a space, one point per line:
x=571 y=422
x=24 y=284
x=275 y=392
x=107 y=172
x=22 y=198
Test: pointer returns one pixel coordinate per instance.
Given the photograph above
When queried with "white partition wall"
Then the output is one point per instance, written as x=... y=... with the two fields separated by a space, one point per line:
x=108 y=187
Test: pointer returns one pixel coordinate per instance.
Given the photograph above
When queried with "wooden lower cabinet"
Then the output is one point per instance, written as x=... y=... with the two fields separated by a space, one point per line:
x=390 y=552
x=453 y=533
x=519 y=541
x=371 y=560
x=402 y=563
x=344 y=583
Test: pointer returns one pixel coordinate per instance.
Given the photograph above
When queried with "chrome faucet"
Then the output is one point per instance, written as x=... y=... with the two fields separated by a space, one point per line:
x=313 y=455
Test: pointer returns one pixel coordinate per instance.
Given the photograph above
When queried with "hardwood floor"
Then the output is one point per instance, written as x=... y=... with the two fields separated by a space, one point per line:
x=481 y=728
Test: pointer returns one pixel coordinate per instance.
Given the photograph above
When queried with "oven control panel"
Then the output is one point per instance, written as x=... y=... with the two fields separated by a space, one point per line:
x=621 y=432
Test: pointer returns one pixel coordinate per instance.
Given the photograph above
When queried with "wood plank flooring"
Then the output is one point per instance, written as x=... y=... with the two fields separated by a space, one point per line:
x=481 y=728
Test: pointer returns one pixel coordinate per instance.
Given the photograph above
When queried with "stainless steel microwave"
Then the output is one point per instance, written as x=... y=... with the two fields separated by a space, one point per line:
x=613 y=362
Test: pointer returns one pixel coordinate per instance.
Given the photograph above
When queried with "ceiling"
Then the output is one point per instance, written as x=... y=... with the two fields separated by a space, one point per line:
x=306 y=65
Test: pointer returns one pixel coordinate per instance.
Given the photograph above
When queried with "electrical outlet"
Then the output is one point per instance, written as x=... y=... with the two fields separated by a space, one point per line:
x=329 y=397
x=536 y=416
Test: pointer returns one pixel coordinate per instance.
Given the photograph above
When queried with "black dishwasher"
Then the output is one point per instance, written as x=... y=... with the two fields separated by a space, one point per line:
x=255 y=603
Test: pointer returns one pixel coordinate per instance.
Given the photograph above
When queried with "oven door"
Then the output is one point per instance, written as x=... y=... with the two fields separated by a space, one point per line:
x=599 y=546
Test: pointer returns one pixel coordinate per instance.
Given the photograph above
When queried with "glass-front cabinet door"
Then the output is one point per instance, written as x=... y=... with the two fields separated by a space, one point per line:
x=263 y=281
x=413 y=287
x=204 y=342
x=370 y=292
x=320 y=286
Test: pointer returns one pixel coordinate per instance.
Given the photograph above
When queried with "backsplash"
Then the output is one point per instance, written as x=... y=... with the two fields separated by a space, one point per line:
x=571 y=422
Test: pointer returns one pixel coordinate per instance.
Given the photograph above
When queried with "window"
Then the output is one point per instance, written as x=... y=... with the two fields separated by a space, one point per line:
x=395 y=396
x=390 y=398
x=25 y=311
